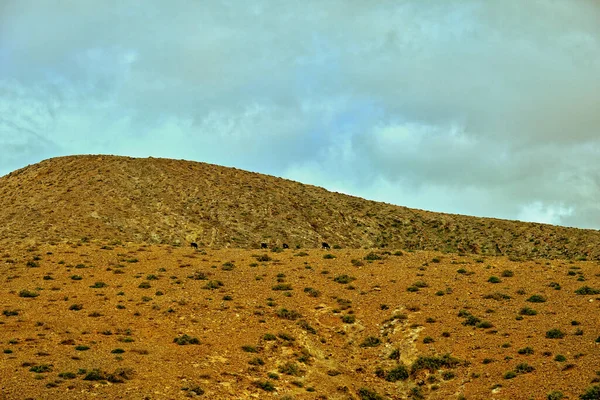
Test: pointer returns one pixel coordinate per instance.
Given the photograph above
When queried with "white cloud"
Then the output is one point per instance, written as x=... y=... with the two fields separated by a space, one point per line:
x=485 y=108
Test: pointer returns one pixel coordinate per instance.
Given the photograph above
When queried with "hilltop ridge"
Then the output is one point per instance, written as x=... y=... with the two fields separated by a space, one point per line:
x=156 y=200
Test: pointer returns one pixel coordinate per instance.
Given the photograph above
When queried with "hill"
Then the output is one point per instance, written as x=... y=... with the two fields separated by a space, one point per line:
x=174 y=201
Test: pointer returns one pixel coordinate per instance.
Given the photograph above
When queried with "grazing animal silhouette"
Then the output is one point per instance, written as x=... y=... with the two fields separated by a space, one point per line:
x=263 y=246
x=285 y=246
x=325 y=245
x=194 y=245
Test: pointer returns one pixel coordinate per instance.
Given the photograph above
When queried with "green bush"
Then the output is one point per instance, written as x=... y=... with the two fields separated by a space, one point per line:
x=185 y=340
x=592 y=393
x=290 y=368
x=527 y=311
x=372 y=257
x=212 y=285
x=256 y=361
x=507 y=273
x=536 y=298
x=586 y=290
x=524 y=368
x=41 y=368
x=494 y=279
x=328 y=256
x=510 y=375
x=555 y=334
x=434 y=363
x=370 y=341
x=526 y=350
x=312 y=292
x=27 y=293
x=368 y=394
x=399 y=373
x=282 y=286
x=267 y=386
x=348 y=319
x=555 y=395
x=288 y=314
x=343 y=279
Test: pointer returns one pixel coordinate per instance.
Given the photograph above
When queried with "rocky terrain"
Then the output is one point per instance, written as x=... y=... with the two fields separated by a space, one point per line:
x=85 y=320
x=166 y=201
x=102 y=295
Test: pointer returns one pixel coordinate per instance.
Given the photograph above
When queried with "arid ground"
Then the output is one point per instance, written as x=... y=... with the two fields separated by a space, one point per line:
x=94 y=319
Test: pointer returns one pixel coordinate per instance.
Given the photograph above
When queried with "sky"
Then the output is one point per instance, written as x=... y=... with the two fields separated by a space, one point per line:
x=486 y=108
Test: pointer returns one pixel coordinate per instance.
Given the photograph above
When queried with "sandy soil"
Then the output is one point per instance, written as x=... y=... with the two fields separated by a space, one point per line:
x=328 y=333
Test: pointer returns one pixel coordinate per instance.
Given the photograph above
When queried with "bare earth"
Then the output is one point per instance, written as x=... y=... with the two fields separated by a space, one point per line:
x=106 y=315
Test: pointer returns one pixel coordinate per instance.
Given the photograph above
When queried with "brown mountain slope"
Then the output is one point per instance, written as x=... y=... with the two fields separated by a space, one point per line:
x=173 y=201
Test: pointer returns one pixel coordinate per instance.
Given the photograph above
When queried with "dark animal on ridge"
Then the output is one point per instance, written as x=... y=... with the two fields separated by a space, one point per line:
x=194 y=245
x=263 y=246
x=285 y=246
x=325 y=245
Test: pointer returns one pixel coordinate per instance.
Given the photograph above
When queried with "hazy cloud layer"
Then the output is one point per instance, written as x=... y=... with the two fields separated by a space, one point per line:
x=484 y=108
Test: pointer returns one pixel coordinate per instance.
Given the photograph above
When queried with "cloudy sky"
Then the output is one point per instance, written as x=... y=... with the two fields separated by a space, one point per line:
x=488 y=108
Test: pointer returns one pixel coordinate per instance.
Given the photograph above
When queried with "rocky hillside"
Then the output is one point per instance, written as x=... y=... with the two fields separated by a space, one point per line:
x=174 y=201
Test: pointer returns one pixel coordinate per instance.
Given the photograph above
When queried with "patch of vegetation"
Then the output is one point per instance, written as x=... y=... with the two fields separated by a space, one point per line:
x=228 y=266
x=290 y=368
x=267 y=386
x=398 y=373
x=119 y=376
x=10 y=313
x=250 y=349
x=555 y=334
x=41 y=368
x=344 y=279
x=371 y=341
x=282 y=286
x=526 y=351
x=510 y=375
x=373 y=257
x=507 y=273
x=98 y=285
x=536 y=298
x=494 y=279
x=592 y=393
x=329 y=256
x=524 y=368
x=586 y=290
x=212 y=285
x=348 y=319
x=292 y=315
x=527 y=311
x=312 y=292
x=434 y=363
x=198 y=276
x=185 y=340
x=368 y=394
x=497 y=296
x=555 y=395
